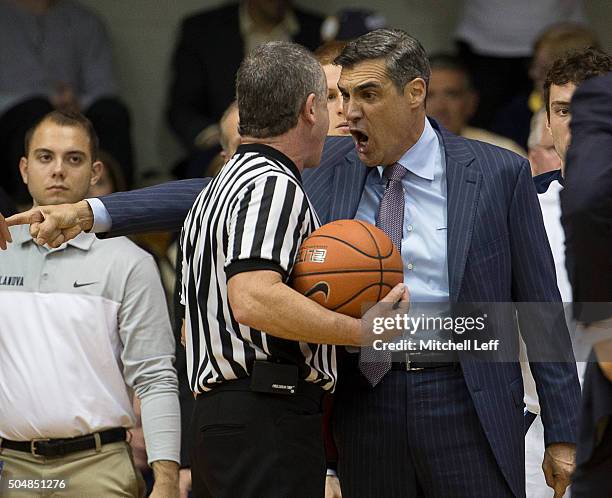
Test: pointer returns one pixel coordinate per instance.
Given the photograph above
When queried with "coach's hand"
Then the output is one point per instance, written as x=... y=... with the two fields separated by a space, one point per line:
x=54 y=225
x=5 y=235
x=558 y=465
x=332 y=487
x=398 y=296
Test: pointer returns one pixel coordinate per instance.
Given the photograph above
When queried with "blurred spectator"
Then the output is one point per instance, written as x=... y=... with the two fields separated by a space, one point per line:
x=326 y=54
x=210 y=47
x=452 y=100
x=7 y=208
x=513 y=120
x=495 y=38
x=229 y=137
x=351 y=23
x=56 y=54
x=541 y=152
x=111 y=178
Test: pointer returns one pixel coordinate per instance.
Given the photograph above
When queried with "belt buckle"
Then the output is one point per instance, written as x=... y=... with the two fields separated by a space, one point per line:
x=33 y=445
x=409 y=368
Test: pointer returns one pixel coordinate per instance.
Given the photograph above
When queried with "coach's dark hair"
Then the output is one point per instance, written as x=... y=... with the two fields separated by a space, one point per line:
x=272 y=85
x=576 y=67
x=404 y=56
x=67 y=118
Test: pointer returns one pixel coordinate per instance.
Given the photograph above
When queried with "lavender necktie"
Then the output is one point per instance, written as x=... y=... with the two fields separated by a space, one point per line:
x=374 y=365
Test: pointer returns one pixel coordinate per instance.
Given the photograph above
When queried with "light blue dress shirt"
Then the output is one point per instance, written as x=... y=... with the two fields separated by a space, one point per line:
x=424 y=244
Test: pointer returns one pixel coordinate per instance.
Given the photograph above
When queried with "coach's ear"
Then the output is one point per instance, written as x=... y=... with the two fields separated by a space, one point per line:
x=309 y=109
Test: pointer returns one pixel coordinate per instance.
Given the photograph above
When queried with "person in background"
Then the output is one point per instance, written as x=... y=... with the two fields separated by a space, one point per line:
x=564 y=77
x=495 y=39
x=204 y=69
x=541 y=153
x=587 y=219
x=56 y=54
x=452 y=100
x=326 y=54
x=513 y=119
x=100 y=327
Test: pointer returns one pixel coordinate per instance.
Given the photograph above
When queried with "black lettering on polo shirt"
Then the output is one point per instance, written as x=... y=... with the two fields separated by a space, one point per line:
x=11 y=280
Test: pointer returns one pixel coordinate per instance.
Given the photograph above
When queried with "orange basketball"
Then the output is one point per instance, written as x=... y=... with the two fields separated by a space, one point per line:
x=345 y=264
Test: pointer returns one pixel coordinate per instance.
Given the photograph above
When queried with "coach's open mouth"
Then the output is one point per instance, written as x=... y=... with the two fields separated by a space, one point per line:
x=361 y=140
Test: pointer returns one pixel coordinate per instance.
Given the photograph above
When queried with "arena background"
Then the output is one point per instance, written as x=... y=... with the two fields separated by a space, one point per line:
x=143 y=33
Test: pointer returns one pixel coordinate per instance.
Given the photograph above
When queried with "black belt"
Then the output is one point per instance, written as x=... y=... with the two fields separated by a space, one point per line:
x=62 y=447
x=243 y=384
x=413 y=366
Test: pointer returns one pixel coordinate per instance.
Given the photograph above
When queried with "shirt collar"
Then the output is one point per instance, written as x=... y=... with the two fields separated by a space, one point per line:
x=543 y=181
x=289 y=24
x=276 y=154
x=420 y=159
x=21 y=235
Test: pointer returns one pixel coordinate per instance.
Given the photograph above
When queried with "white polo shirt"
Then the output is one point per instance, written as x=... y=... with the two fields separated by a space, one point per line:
x=78 y=324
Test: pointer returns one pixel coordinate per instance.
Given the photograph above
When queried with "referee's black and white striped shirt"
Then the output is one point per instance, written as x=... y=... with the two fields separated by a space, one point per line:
x=253 y=216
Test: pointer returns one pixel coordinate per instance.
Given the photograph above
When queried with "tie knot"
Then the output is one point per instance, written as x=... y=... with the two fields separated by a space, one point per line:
x=394 y=172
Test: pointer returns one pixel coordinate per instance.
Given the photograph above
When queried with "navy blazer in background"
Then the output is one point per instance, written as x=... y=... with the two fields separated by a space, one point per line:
x=497 y=252
x=208 y=53
x=586 y=203
x=586 y=200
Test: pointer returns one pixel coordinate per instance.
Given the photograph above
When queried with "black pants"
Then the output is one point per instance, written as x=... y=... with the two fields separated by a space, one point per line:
x=109 y=117
x=249 y=444
x=592 y=478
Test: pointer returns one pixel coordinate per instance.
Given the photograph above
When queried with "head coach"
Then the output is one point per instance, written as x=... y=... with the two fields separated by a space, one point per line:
x=472 y=232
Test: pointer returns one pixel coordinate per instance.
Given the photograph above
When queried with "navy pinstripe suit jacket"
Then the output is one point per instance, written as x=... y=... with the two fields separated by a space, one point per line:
x=497 y=252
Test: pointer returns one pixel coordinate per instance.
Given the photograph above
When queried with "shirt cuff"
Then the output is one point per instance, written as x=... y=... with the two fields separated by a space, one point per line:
x=331 y=472
x=102 y=221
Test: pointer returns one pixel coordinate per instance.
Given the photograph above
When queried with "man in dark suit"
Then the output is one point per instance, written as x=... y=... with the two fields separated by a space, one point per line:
x=586 y=205
x=472 y=232
x=210 y=48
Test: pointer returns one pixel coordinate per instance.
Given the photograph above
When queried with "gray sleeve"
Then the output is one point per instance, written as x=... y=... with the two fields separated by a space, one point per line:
x=148 y=357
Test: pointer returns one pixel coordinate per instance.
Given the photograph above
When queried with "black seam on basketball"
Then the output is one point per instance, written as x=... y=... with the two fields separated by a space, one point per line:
x=380 y=265
x=341 y=271
x=361 y=291
x=310 y=239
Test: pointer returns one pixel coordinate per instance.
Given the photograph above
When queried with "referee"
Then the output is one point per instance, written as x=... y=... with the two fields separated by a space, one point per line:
x=257 y=419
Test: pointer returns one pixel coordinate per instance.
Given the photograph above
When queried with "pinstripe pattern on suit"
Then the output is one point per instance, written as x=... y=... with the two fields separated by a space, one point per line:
x=497 y=250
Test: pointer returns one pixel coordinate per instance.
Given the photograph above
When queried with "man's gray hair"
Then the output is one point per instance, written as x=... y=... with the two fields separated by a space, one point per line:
x=404 y=56
x=272 y=85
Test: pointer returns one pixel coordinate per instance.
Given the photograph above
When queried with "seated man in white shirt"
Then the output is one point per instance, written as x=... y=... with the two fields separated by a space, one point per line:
x=80 y=324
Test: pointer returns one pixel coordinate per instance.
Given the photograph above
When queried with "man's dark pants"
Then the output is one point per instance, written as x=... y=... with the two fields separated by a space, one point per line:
x=250 y=444
x=416 y=434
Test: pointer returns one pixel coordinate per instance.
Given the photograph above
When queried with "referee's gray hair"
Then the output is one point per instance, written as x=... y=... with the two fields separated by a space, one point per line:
x=272 y=85
x=404 y=56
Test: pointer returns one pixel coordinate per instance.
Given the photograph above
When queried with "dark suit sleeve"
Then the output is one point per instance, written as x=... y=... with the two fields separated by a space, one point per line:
x=586 y=200
x=153 y=209
x=540 y=313
x=187 y=107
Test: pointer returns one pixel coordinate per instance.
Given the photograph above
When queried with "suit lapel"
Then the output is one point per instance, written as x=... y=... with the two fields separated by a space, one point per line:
x=347 y=187
x=463 y=190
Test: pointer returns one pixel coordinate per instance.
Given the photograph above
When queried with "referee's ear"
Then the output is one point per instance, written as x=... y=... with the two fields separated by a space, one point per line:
x=309 y=111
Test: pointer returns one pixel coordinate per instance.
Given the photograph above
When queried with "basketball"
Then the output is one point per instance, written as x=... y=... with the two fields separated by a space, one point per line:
x=346 y=264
